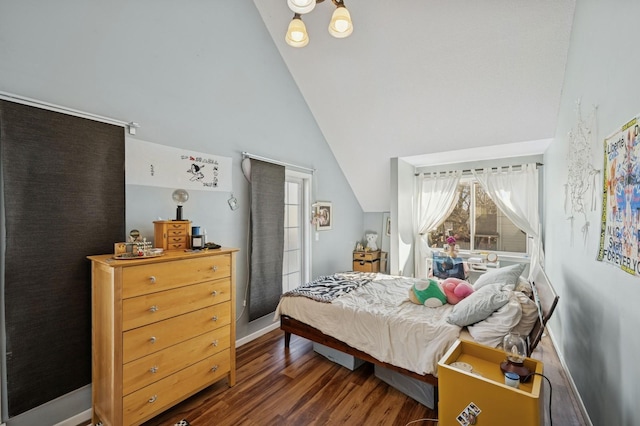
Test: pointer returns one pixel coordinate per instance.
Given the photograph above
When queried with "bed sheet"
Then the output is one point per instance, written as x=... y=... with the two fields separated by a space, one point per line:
x=379 y=319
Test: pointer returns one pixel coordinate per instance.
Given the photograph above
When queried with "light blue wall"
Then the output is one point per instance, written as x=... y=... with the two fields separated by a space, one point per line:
x=597 y=320
x=204 y=76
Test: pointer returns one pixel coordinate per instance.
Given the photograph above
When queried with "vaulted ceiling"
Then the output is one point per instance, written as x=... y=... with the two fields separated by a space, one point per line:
x=428 y=81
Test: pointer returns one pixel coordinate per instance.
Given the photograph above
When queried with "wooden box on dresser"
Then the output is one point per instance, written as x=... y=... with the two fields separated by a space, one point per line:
x=163 y=328
x=172 y=234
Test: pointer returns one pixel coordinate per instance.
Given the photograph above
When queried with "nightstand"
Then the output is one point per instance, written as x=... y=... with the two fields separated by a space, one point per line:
x=366 y=261
x=484 y=388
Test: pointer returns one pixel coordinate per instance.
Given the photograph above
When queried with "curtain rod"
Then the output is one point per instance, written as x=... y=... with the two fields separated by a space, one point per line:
x=281 y=163
x=468 y=171
x=131 y=126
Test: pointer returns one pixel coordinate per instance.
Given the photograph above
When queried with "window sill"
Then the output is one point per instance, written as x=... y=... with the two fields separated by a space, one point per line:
x=512 y=258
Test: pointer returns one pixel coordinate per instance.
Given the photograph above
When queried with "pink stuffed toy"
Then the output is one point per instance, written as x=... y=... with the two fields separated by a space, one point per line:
x=456 y=289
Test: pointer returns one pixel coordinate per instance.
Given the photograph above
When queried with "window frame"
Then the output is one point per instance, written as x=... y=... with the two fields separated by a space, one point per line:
x=305 y=180
x=474 y=183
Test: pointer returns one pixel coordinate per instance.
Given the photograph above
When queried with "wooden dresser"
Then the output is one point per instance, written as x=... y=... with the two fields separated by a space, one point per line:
x=172 y=234
x=163 y=329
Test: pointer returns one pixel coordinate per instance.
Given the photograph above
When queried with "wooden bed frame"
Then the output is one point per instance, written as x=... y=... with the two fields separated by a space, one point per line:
x=543 y=293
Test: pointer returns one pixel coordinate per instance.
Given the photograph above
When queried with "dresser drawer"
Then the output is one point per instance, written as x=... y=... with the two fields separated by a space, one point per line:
x=155 y=398
x=177 y=238
x=176 y=230
x=144 y=371
x=160 y=335
x=366 y=256
x=149 y=308
x=365 y=266
x=177 y=245
x=149 y=278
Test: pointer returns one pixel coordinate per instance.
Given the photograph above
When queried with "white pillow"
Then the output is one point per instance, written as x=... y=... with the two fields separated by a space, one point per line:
x=492 y=330
x=478 y=305
x=529 y=314
x=507 y=276
x=524 y=286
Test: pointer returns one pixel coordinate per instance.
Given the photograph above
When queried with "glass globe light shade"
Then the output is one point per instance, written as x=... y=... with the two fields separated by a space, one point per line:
x=297 y=33
x=341 y=25
x=180 y=196
x=515 y=348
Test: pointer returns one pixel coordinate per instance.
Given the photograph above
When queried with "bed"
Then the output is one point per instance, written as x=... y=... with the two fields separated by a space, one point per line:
x=369 y=316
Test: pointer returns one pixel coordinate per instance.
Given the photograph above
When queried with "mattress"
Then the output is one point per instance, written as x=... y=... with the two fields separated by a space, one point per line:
x=378 y=318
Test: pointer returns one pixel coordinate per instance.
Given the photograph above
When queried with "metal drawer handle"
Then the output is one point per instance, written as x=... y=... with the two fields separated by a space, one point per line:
x=152 y=340
x=215 y=343
x=215 y=268
x=215 y=318
x=214 y=293
x=214 y=368
x=154 y=308
x=152 y=279
x=154 y=369
x=153 y=399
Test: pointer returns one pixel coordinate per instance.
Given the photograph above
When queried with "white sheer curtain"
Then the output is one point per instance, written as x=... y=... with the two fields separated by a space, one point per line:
x=515 y=192
x=437 y=195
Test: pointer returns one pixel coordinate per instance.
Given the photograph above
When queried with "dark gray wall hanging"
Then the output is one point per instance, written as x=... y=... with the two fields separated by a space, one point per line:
x=267 y=237
x=63 y=199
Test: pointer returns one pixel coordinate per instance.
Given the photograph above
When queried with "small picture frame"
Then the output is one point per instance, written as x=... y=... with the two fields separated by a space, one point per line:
x=324 y=216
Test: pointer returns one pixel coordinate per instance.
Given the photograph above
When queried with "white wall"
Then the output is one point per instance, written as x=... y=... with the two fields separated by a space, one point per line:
x=204 y=76
x=597 y=319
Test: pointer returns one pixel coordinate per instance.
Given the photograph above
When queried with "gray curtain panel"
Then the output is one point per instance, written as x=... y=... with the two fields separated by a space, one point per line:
x=267 y=237
x=63 y=199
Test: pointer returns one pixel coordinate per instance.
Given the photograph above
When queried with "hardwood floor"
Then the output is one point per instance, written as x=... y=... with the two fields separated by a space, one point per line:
x=299 y=387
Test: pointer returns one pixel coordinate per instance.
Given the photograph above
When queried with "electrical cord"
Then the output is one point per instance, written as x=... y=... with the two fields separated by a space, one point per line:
x=421 y=420
x=550 y=392
x=246 y=289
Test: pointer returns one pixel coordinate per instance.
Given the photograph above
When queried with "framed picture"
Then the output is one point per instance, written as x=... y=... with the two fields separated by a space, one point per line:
x=324 y=216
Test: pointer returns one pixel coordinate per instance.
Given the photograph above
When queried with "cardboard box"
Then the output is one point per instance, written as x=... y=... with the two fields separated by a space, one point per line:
x=345 y=360
x=422 y=392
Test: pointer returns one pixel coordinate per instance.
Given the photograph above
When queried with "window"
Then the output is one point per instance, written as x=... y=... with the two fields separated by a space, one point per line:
x=478 y=225
x=295 y=263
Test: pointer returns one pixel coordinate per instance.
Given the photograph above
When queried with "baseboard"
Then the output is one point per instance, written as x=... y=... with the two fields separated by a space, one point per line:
x=565 y=368
x=72 y=409
x=257 y=334
x=83 y=418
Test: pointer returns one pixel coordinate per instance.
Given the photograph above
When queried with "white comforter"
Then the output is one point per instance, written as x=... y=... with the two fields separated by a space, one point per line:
x=379 y=319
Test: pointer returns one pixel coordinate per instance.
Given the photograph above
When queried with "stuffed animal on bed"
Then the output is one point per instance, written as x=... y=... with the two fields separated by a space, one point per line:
x=456 y=289
x=428 y=293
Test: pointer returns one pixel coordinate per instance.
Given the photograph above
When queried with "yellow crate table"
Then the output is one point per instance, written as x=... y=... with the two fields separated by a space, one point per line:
x=485 y=389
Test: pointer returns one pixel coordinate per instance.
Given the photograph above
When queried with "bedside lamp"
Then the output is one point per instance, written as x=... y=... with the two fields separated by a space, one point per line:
x=515 y=349
x=180 y=196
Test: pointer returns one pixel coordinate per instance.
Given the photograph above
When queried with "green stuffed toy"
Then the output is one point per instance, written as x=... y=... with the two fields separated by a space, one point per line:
x=427 y=293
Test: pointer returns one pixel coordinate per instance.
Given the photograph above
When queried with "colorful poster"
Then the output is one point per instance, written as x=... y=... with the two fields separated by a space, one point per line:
x=152 y=164
x=620 y=231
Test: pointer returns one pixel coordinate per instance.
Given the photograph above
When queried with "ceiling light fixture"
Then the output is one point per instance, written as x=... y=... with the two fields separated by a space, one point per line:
x=297 y=33
x=340 y=25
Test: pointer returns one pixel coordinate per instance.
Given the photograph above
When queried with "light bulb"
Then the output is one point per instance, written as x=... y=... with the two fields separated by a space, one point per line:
x=341 y=25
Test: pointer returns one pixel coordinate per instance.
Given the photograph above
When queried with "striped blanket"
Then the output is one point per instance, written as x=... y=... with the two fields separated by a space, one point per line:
x=328 y=287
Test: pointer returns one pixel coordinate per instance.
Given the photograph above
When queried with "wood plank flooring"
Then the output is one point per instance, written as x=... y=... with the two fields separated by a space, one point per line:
x=299 y=387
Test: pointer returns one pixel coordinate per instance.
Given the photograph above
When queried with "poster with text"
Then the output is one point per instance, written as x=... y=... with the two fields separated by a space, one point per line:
x=620 y=230
x=152 y=164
